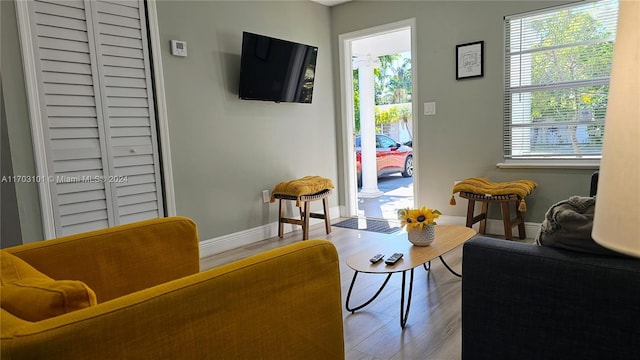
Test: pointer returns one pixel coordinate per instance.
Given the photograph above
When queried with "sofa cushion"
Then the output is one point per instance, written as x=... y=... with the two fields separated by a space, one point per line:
x=33 y=296
x=568 y=225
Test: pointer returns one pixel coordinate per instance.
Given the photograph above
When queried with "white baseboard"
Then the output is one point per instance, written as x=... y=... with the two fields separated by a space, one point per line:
x=242 y=238
x=250 y=236
x=494 y=226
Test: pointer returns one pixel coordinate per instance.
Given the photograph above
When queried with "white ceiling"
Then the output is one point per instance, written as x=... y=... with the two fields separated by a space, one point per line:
x=383 y=44
x=377 y=45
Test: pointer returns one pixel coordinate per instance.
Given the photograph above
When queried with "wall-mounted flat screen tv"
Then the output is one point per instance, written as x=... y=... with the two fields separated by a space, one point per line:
x=276 y=70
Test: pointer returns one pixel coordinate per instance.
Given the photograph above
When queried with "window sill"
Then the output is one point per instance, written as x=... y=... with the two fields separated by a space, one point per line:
x=549 y=164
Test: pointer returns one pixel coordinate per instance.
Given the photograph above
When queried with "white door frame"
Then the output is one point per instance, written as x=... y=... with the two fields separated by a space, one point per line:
x=346 y=94
x=35 y=115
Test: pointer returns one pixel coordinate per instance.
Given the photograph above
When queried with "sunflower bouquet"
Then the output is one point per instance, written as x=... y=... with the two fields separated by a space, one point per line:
x=418 y=218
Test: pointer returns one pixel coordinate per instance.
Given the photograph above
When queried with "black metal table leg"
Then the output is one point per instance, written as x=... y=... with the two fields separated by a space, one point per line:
x=448 y=268
x=404 y=313
x=427 y=268
x=355 y=275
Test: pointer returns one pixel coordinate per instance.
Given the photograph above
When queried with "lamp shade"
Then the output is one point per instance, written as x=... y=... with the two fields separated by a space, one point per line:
x=617 y=214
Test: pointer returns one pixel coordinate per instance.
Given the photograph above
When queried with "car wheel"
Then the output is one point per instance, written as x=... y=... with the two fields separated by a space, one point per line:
x=408 y=167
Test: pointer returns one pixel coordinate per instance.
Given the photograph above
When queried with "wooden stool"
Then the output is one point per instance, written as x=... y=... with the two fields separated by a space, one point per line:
x=305 y=213
x=504 y=201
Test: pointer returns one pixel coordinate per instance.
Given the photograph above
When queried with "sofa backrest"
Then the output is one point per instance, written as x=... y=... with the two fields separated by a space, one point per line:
x=156 y=251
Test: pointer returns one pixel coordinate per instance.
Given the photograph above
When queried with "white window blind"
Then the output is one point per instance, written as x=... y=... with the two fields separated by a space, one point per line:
x=557 y=66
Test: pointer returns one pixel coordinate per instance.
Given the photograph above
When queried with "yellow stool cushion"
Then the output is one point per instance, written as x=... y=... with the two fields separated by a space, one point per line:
x=484 y=186
x=304 y=186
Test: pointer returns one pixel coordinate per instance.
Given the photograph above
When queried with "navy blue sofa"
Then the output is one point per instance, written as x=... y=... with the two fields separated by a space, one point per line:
x=524 y=301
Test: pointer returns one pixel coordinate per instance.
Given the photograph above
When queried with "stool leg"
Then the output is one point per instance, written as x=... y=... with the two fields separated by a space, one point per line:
x=521 y=231
x=280 y=216
x=483 y=222
x=520 y=218
x=327 y=220
x=506 y=220
x=470 y=210
x=305 y=220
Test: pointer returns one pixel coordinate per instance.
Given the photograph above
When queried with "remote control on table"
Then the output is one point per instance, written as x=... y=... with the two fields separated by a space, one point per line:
x=376 y=258
x=393 y=258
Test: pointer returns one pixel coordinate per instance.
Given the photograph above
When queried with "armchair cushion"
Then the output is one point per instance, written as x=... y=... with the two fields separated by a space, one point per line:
x=46 y=296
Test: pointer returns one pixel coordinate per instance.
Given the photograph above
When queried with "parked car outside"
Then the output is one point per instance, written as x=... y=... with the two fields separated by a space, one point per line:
x=391 y=157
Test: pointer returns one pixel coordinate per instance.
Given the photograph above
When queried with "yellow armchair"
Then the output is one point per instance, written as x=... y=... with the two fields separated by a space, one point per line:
x=153 y=303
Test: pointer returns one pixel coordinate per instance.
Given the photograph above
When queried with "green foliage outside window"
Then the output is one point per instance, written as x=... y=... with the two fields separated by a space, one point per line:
x=567 y=64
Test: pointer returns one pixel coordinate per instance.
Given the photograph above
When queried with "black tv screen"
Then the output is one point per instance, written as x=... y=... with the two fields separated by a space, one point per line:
x=276 y=70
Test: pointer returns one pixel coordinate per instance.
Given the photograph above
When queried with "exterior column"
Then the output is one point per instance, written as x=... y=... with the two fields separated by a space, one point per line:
x=365 y=65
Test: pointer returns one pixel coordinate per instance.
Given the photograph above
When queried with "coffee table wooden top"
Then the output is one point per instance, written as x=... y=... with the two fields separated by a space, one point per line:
x=448 y=237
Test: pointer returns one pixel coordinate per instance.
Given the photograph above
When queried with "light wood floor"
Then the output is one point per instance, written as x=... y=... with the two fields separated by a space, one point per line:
x=433 y=330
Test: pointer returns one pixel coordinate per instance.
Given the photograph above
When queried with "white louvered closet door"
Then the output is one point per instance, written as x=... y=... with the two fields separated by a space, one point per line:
x=96 y=99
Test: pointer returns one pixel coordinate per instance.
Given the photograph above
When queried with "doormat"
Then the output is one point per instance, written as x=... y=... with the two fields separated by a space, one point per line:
x=379 y=226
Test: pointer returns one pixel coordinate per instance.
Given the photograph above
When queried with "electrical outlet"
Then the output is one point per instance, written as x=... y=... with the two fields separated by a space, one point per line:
x=265 y=196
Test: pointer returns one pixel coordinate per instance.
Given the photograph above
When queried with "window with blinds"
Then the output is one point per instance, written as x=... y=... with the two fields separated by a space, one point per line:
x=557 y=66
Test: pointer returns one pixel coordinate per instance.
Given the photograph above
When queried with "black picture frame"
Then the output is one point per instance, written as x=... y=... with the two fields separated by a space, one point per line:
x=470 y=60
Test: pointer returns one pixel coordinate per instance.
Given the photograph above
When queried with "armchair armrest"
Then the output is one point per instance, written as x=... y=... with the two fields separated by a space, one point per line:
x=522 y=301
x=119 y=260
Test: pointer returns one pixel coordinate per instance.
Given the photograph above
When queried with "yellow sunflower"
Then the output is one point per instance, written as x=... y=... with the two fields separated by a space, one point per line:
x=418 y=218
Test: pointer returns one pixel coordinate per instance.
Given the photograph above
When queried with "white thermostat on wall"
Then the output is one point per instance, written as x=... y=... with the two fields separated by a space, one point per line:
x=178 y=48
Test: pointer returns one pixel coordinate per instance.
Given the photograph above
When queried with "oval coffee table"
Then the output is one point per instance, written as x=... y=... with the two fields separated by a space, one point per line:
x=448 y=237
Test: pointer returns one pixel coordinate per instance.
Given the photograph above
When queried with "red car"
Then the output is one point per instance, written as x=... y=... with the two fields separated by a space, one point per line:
x=391 y=157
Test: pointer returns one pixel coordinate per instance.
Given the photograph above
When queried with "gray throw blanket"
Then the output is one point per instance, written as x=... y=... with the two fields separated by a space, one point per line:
x=568 y=225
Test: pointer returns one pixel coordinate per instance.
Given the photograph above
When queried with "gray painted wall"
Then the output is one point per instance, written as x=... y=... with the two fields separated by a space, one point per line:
x=225 y=151
x=464 y=138
x=9 y=219
x=18 y=126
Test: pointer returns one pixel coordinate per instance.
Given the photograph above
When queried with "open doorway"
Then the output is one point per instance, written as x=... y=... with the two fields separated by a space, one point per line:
x=378 y=76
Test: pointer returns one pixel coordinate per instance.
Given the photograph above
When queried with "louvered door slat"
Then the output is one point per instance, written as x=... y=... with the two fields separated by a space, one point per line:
x=124 y=3
x=86 y=220
x=100 y=223
x=54 y=21
x=117 y=9
x=122 y=42
x=65 y=56
x=128 y=74
x=130 y=143
x=65 y=68
x=79 y=122
x=83 y=206
x=59 y=8
x=61 y=33
x=70 y=100
x=122 y=81
x=120 y=31
x=85 y=196
x=62 y=44
x=139 y=198
x=62 y=167
x=124 y=52
x=66 y=78
x=78 y=4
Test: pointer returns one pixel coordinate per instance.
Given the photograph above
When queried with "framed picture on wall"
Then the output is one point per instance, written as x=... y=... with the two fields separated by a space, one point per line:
x=470 y=60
